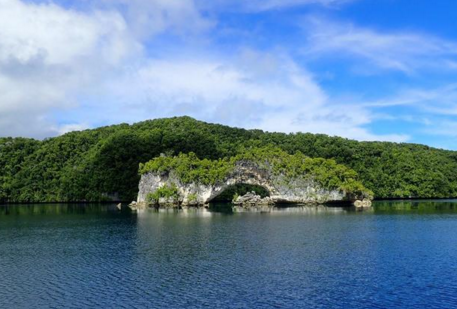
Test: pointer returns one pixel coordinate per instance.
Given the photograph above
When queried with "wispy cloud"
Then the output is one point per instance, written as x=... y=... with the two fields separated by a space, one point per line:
x=254 y=6
x=428 y=111
x=401 y=51
x=278 y=4
x=443 y=128
x=441 y=100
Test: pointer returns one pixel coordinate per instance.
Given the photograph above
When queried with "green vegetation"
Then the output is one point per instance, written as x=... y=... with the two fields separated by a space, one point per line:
x=13 y=154
x=102 y=164
x=163 y=192
x=192 y=197
x=189 y=168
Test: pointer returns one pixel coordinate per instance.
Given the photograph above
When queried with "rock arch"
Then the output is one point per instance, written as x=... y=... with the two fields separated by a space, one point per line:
x=248 y=173
x=238 y=188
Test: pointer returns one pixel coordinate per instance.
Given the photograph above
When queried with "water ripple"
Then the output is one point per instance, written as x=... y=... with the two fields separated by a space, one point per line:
x=289 y=259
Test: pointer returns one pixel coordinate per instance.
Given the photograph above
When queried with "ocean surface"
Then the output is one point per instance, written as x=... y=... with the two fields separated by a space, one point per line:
x=400 y=254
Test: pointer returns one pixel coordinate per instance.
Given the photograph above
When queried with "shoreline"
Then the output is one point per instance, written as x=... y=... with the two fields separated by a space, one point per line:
x=336 y=204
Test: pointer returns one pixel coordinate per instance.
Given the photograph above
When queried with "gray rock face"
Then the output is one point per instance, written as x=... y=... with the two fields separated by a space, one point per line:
x=282 y=190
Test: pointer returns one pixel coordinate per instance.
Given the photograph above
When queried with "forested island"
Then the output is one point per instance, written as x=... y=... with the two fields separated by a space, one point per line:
x=103 y=164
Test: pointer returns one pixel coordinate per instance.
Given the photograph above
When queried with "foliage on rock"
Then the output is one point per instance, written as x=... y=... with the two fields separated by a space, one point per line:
x=192 y=198
x=166 y=191
x=189 y=168
x=327 y=173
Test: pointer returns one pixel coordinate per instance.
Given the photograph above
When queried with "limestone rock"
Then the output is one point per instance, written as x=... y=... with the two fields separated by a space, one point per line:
x=282 y=189
x=366 y=203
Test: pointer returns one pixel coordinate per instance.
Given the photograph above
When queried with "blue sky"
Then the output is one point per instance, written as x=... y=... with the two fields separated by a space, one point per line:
x=363 y=69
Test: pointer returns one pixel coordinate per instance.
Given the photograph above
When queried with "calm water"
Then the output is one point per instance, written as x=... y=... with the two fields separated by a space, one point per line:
x=400 y=254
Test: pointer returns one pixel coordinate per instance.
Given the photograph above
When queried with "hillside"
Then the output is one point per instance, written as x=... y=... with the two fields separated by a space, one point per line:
x=102 y=164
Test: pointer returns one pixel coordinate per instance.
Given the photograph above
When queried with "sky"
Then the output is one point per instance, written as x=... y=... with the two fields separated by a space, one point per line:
x=362 y=69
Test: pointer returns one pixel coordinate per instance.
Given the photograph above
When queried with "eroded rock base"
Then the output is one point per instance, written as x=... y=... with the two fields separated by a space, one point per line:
x=252 y=199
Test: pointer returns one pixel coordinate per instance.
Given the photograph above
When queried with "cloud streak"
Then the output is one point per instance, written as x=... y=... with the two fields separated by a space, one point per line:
x=255 y=6
x=399 y=51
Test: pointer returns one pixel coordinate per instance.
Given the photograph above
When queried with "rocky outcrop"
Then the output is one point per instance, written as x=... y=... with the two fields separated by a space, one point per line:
x=300 y=190
x=366 y=203
x=252 y=199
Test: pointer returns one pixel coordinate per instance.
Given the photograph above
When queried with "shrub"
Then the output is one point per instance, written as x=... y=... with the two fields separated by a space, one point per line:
x=192 y=197
x=166 y=191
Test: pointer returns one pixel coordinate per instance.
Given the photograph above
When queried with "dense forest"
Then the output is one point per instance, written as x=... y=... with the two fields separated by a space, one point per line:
x=103 y=164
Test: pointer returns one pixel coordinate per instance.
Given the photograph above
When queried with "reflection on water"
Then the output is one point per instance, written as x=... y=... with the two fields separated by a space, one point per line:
x=379 y=207
x=56 y=209
x=416 y=206
x=399 y=254
x=229 y=209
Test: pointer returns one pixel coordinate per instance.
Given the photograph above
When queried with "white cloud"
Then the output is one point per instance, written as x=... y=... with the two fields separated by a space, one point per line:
x=48 y=56
x=402 y=51
x=56 y=36
x=71 y=127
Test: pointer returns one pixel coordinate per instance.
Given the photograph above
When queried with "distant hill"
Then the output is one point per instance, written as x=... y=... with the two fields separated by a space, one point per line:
x=102 y=164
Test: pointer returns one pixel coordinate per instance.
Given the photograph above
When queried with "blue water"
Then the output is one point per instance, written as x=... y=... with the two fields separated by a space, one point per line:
x=397 y=255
